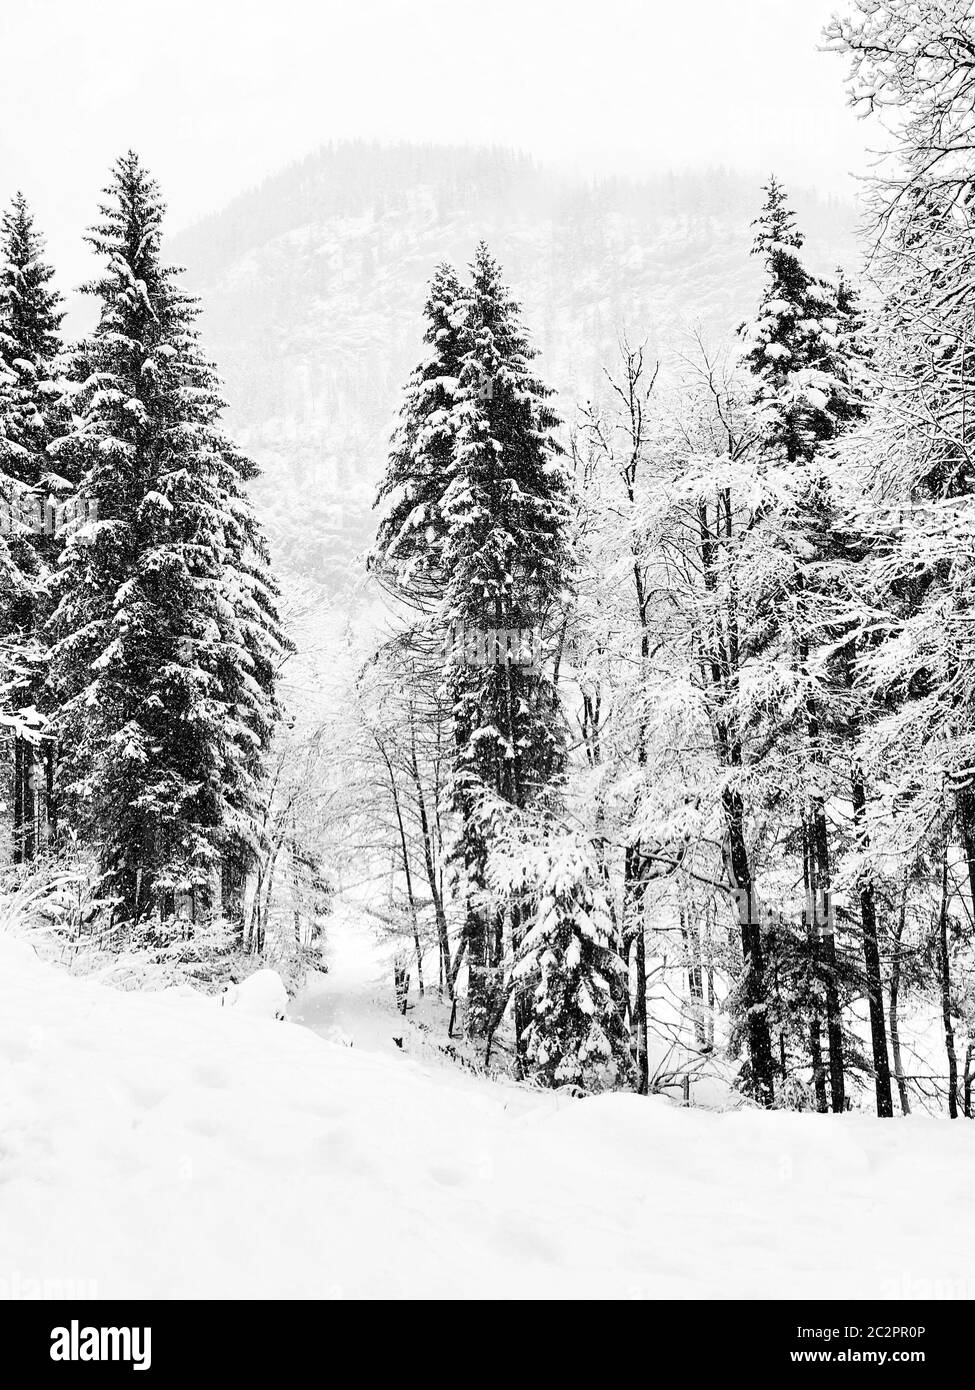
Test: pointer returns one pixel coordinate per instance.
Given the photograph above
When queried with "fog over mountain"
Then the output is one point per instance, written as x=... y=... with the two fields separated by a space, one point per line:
x=313 y=285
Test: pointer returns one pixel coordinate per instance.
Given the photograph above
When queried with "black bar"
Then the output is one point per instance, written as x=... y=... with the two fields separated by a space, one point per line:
x=290 y=1340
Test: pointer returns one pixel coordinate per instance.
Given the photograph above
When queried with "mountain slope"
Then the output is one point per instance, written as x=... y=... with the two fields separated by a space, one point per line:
x=313 y=286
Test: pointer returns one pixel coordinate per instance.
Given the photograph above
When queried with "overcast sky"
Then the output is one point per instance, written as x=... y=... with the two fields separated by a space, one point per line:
x=217 y=93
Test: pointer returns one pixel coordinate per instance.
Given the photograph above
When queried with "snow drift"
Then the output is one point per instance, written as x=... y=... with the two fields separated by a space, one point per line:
x=158 y=1145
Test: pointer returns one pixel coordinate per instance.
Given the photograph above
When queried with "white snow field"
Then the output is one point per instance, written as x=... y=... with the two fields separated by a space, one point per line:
x=159 y=1145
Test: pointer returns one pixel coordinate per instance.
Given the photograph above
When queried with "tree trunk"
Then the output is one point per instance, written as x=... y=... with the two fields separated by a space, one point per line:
x=50 y=765
x=721 y=670
x=408 y=875
x=823 y=928
x=945 y=981
x=753 y=986
x=695 y=978
x=30 y=804
x=18 y=822
x=709 y=953
x=633 y=936
x=478 y=971
x=233 y=884
x=818 y=1070
x=895 y=981
x=871 y=961
x=642 y=1039
x=429 y=864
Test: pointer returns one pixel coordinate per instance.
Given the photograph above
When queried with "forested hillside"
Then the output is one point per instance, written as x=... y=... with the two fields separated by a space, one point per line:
x=313 y=284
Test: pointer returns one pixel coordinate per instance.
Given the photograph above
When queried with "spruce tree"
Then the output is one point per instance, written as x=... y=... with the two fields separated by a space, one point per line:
x=800 y=351
x=788 y=343
x=166 y=628
x=407 y=559
x=570 y=972
x=252 y=647
x=508 y=568
x=30 y=342
x=475 y=540
x=408 y=553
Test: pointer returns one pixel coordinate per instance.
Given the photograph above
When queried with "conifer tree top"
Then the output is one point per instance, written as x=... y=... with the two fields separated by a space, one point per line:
x=30 y=310
x=129 y=229
x=798 y=345
x=777 y=231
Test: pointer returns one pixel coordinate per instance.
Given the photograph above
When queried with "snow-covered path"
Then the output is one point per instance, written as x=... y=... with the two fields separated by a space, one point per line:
x=353 y=1003
x=158 y=1145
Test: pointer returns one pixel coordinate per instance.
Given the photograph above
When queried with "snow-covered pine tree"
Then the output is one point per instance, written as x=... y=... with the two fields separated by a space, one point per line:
x=407 y=560
x=787 y=345
x=165 y=625
x=252 y=648
x=21 y=658
x=508 y=567
x=802 y=394
x=810 y=357
x=407 y=555
x=570 y=971
x=30 y=342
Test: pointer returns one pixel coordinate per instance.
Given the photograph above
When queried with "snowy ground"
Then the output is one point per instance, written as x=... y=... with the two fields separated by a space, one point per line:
x=160 y=1145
